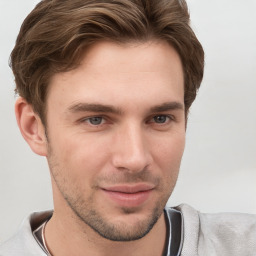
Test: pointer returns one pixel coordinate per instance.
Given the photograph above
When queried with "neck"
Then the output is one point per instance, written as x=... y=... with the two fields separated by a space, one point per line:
x=67 y=235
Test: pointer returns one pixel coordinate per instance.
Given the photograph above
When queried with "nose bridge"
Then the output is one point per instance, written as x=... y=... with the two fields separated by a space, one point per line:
x=131 y=152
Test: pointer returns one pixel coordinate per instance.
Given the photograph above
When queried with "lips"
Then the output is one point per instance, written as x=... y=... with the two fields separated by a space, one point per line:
x=129 y=195
x=129 y=189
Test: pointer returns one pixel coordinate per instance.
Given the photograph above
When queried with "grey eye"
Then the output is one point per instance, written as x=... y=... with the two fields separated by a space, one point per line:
x=95 y=120
x=161 y=119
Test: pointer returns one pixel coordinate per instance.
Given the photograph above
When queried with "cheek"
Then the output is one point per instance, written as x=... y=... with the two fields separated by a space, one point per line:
x=167 y=157
x=81 y=157
x=168 y=152
x=169 y=161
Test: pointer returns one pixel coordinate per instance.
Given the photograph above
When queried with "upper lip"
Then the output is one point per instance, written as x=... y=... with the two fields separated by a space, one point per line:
x=129 y=189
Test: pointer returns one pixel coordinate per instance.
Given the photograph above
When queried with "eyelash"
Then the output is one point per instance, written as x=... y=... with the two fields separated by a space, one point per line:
x=88 y=119
x=168 y=119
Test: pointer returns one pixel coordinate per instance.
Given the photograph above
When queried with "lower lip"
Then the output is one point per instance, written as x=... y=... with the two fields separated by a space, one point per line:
x=128 y=200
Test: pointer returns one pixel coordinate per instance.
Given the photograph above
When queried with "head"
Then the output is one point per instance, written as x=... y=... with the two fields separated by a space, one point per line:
x=106 y=87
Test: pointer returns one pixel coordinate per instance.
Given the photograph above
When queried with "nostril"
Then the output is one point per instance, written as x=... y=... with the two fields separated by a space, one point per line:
x=131 y=163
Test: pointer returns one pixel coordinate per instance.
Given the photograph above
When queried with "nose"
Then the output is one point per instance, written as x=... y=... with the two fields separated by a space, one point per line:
x=131 y=150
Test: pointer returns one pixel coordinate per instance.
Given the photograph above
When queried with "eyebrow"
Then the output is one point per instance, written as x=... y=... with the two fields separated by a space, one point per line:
x=94 y=107
x=101 y=108
x=167 y=106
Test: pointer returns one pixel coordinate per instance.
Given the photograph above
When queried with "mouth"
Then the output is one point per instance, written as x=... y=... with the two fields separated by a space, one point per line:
x=129 y=195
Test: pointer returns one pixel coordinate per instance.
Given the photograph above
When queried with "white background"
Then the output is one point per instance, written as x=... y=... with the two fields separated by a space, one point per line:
x=218 y=172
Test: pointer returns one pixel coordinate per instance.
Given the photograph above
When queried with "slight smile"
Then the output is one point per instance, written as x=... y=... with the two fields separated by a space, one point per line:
x=129 y=195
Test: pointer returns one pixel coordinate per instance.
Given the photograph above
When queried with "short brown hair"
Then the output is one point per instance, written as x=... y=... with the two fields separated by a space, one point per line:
x=55 y=34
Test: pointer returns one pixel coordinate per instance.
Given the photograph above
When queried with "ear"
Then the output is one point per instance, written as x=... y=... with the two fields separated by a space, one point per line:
x=31 y=127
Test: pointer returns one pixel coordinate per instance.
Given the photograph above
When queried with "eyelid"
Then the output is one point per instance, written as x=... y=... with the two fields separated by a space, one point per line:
x=169 y=116
x=87 y=118
x=90 y=119
x=106 y=119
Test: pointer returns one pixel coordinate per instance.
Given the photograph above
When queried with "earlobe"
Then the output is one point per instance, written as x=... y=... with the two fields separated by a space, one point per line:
x=31 y=127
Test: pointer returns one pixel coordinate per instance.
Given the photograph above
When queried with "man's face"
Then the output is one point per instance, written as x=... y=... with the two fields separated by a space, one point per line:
x=116 y=132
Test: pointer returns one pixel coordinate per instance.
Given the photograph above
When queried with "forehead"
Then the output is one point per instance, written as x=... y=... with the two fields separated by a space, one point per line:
x=123 y=72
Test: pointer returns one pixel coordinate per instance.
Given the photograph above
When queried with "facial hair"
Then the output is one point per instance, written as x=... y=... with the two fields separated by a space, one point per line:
x=86 y=211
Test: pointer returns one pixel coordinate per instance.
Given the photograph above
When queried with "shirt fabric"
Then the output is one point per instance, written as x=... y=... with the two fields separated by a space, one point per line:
x=191 y=233
x=38 y=234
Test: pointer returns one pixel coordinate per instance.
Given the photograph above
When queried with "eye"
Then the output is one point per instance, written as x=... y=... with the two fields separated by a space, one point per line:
x=161 y=119
x=96 y=120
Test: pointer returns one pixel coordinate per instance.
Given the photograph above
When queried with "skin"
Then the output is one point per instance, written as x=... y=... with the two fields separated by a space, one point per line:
x=115 y=121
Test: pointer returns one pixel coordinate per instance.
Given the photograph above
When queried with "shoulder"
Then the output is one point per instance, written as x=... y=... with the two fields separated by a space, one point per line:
x=218 y=234
x=228 y=233
x=23 y=242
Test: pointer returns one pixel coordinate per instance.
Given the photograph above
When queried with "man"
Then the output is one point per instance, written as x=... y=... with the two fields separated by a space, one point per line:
x=105 y=88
